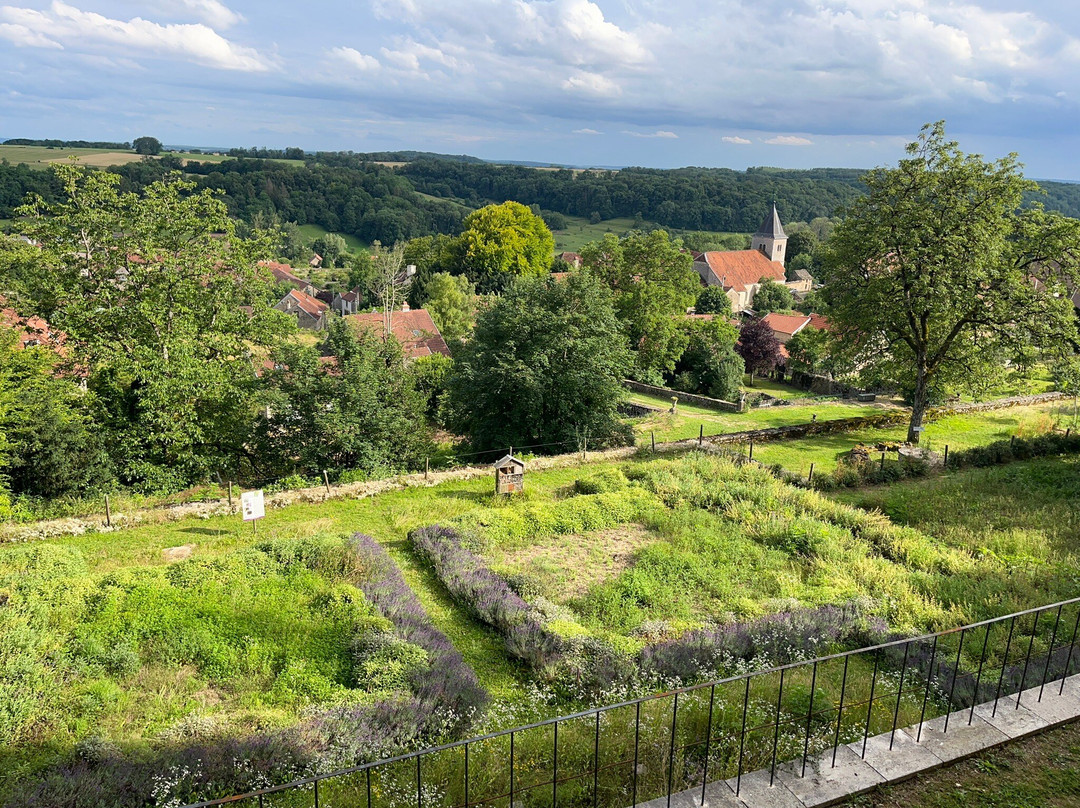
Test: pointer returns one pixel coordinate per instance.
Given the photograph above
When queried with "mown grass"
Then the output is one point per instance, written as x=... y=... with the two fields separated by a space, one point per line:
x=1037 y=772
x=689 y=418
x=961 y=431
x=314 y=231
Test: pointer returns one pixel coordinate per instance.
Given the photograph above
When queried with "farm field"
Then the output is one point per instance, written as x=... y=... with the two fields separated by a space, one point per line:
x=42 y=156
x=162 y=634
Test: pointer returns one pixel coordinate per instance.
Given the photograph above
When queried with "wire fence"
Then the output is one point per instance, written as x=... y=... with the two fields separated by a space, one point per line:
x=784 y=719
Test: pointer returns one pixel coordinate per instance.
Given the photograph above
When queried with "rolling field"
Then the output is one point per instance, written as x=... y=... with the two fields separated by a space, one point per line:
x=43 y=156
x=314 y=231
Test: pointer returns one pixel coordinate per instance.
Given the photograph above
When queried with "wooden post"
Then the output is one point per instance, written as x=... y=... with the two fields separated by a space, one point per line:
x=1012 y=442
x=945 y=463
x=751 y=449
x=427 y=467
x=653 y=434
x=701 y=434
x=584 y=447
x=108 y=512
x=810 y=476
x=1067 y=431
x=326 y=481
x=230 y=496
x=883 y=461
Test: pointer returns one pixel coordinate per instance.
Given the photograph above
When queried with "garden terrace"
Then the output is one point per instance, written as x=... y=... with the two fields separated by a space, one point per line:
x=724 y=568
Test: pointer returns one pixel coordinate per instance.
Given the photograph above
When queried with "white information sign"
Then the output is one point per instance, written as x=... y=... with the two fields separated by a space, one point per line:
x=252 y=505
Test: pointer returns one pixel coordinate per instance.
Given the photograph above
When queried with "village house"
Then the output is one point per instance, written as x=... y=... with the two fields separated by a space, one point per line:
x=571 y=258
x=310 y=312
x=740 y=272
x=413 y=328
x=347 y=303
x=284 y=273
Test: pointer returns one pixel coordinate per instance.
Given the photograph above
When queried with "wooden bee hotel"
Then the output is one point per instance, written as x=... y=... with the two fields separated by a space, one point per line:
x=509 y=475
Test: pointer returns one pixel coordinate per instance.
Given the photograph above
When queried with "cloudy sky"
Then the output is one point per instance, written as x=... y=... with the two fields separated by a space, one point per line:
x=593 y=82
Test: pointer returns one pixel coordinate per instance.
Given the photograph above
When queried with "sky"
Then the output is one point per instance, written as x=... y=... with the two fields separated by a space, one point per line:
x=663 y=83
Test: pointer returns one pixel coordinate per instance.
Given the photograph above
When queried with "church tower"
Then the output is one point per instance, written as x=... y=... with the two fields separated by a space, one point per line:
x=770 y=238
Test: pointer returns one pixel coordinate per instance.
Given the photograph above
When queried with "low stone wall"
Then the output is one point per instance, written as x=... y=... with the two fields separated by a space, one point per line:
x=684 y=398
x=633 y=410
x=999 y=404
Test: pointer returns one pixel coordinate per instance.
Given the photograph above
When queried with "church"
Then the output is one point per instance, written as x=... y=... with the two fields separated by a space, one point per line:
x=739 y=272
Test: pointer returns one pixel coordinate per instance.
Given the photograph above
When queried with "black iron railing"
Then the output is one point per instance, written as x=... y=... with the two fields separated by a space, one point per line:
x=644 y=749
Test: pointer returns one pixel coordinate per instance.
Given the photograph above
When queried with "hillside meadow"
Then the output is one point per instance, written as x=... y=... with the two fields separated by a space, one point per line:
x=141 y=643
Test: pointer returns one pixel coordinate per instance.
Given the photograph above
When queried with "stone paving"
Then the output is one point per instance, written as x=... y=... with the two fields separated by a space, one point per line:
x=892 y=756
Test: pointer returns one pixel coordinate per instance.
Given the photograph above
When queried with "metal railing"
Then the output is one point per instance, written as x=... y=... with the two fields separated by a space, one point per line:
x=793 y=715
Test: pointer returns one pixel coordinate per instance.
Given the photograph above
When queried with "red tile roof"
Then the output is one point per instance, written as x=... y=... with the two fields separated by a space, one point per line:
x=283 y=273
x=819 y=321
x=33 y=331
x=311 y=305
x=786 y=323
x=414 y=329
x=738 y=269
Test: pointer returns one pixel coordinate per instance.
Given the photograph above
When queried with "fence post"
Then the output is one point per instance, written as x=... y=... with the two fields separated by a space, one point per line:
x=945 y=463
x=427 y=467
x=883 y=461
x=1067 y=431
x=810 y=476
x=326 y=481
x=1012 y=442
x=701 y=434
x=751 y=449
x=652 y=433
x=230 y=496
x=584 y=448
x=108 y=512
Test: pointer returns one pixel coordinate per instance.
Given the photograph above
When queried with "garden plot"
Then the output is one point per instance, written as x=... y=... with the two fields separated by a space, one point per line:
x=293 y=655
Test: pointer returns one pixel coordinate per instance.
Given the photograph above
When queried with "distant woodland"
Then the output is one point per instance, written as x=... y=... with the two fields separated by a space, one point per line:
x=394 y=196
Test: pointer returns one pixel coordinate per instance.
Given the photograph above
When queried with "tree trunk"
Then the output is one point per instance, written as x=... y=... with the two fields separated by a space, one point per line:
x=918 y=409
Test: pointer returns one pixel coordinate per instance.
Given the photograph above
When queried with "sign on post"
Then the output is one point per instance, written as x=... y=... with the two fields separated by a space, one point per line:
x=252 y=506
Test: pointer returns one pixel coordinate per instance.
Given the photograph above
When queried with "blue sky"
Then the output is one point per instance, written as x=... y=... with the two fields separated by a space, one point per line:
x=595 y=82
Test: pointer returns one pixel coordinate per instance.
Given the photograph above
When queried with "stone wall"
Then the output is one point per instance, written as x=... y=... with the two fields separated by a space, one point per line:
x=684 y=398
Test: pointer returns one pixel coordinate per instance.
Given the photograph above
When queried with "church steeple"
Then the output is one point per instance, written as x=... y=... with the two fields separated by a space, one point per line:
x=770 y=238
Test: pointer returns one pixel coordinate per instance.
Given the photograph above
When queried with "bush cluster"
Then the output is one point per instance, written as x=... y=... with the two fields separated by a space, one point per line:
x=1006 y=451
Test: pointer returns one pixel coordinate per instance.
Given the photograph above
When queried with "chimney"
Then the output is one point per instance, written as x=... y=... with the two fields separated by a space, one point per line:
x=405 y=306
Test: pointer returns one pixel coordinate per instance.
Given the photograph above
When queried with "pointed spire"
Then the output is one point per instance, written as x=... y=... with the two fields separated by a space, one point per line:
x=770 y=226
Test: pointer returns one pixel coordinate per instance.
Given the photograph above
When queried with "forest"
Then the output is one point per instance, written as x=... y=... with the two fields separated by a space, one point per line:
x=356 y=194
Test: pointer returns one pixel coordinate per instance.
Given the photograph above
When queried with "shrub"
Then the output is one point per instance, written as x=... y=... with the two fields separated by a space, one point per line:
x=602 y=483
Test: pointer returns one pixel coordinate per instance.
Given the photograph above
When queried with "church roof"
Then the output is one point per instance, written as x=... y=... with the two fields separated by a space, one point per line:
x=771 y=227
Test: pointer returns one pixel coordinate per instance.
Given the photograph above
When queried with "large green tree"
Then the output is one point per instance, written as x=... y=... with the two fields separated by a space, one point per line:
x=543 y=366
x=165 y=309
x=654 y=283
x=499 y=242
x=451 y=303
x=354 y=407
x=709 y=365
x=48 y=444
x=940 y=265
x=772 y=296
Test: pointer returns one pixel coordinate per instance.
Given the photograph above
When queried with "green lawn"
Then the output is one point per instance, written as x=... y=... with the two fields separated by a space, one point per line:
x=956 y=431
x=689 y=418
x=774 y=388
x=1038 y=772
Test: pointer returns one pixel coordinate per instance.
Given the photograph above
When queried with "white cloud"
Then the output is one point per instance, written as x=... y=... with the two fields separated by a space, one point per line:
x=24 y=37
x=789 y=140
x=661 y=133
x=587 y=132
x=213 y=13
x=355 y=58
x=591 y=84
x=741 y=141
x=79 y=30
